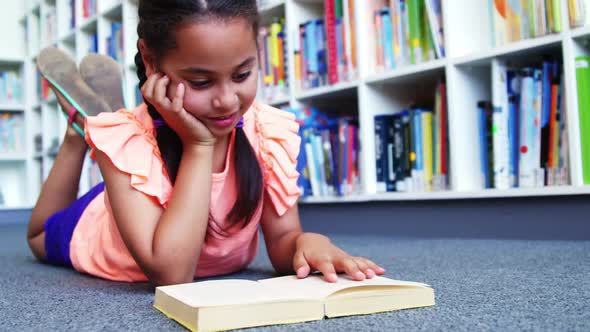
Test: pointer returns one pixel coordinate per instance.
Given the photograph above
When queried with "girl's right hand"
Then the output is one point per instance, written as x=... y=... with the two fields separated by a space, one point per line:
x=190 y=129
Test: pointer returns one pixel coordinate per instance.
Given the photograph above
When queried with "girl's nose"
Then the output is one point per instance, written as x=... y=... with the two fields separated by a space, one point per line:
x=226 y=99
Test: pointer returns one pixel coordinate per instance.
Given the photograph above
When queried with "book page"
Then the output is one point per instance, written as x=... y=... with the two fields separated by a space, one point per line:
x=222 y=292
x=314 y=287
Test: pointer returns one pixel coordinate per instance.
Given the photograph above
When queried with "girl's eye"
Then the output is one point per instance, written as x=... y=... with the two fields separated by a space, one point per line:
x=243 y=76
x=199 y=84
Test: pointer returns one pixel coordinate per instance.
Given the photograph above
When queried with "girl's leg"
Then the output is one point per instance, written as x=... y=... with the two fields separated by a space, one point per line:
x=61 y=187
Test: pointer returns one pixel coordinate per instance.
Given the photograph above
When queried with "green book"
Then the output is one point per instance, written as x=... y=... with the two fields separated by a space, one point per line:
x=583 y=84
x=415 y=19
x=556 y=15
x=338 y=8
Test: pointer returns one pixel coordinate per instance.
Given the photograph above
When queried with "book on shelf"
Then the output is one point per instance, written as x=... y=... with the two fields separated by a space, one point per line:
x=233 y=303
x=583 y=85
x=272 y=41
x=522 y=129
x=514 y=20
x=326 y=50
x=411 y=148
x=11 y=91
x=114 y=42
x=12 y=133
x=89 y=8
x=407 y=32
x=486 y=143
x=500 y=176
x=93 y=42
x=72 y=14
x=579 y=12
x=328 y=161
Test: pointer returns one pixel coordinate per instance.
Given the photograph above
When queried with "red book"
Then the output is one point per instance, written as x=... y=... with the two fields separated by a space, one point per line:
x=350 y=158
x=551 y=163
x=302 y=51
x=443 y=128
x=331 y=46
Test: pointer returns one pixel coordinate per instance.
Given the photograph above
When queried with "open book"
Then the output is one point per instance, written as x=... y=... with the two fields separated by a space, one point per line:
x=231 y=304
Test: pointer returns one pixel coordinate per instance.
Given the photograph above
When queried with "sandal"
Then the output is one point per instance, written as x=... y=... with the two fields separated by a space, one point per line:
x=59 y=69
x=103 y=75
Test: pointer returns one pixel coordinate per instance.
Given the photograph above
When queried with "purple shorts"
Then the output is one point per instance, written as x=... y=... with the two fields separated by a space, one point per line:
x=60 y=227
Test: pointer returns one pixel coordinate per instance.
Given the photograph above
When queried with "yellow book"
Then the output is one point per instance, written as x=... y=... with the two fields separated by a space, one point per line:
x=231 y=304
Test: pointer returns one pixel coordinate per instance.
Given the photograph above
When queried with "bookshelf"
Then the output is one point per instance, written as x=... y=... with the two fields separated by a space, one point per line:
x=13 y=150
x=78 y=27
x=466 y=69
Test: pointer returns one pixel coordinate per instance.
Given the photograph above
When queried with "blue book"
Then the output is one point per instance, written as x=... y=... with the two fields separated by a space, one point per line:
x=340 y=50
x=526 y=163
x=381 y=152
x=387 y=38
x=311 y=49
x=484 y=125
x=390 y=152
x=322 y=53
x=417 y=138
x=513 y=140
x=513 y=81
x=318 y=157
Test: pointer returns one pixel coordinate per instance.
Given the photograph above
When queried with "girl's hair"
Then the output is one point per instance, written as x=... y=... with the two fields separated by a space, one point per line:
x=158 y=22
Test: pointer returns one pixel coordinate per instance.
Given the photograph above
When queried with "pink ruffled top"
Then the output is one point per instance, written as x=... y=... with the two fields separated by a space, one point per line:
x=127 y=138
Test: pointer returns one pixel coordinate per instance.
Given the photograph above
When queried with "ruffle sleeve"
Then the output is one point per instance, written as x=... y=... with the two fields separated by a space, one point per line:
x=278 y=147
x=127 y=138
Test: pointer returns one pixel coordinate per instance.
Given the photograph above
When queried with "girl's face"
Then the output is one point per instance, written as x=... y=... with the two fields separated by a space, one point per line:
x=217 y=63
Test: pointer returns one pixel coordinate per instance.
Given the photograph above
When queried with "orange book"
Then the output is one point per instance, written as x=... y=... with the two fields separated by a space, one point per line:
x=352 y=34
x=297 y=60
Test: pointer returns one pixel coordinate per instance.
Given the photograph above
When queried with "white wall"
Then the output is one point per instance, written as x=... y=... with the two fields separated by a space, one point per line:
x=12 y=45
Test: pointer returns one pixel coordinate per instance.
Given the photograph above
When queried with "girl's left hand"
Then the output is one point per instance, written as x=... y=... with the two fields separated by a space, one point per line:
x=315 y=252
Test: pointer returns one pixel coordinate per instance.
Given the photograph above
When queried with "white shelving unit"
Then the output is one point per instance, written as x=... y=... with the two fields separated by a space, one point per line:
x=466 y=70
x=44 y=23
x=13 y=164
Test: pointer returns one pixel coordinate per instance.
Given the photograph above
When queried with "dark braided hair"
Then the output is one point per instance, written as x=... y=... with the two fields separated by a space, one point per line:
x=158 y=21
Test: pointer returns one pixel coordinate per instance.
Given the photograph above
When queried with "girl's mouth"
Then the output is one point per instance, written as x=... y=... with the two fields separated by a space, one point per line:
x=224 y=121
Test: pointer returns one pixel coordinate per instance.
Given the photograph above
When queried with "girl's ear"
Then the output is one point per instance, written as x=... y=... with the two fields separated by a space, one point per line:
x=148 y=59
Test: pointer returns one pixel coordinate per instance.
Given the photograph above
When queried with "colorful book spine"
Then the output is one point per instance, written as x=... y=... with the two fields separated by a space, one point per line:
x=500 y=125
x=415 y=24
x=390 y=146
x=485 y=119
x=583 y=85
x=499 y=22
x=526 y=162
x=331 y=42
x=387 y=35
x=434 y=12
x=381 y=152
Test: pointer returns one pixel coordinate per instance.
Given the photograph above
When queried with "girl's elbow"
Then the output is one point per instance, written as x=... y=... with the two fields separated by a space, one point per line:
x=171 y=278
x=166 y=274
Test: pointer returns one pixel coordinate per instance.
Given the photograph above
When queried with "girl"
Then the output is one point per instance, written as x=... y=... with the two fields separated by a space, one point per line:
x=190 y=174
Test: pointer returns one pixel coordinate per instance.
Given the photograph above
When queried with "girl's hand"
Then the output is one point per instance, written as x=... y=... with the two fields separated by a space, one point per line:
x=190 y=129
x=315 y=252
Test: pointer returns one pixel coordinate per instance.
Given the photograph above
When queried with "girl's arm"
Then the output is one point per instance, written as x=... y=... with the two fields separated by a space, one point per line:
x=166 y=244
x=292 y=251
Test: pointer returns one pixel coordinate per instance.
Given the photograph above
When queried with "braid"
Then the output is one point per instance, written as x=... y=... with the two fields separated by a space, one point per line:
x=169 y=143
x=249 y=179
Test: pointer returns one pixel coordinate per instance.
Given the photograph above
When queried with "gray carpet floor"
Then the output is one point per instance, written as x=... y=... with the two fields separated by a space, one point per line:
x=493 y=285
